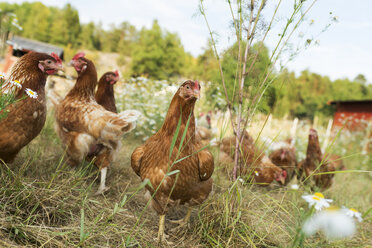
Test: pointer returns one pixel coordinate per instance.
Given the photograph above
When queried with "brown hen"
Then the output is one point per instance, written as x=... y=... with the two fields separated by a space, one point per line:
x=86 y=128
x=105 y=91
x=285 y=158
x=314 y=163
x=27 y=115
x=193 y=183
x=254 y=165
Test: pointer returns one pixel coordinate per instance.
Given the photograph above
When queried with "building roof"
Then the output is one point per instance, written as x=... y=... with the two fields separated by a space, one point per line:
x=20 y=43
x=351 y=102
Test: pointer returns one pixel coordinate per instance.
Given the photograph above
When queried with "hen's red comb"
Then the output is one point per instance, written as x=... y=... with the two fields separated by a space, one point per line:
x=56 y=57
x=78 y=55
x=116 y=73
x=197 y=84
x=284 y=173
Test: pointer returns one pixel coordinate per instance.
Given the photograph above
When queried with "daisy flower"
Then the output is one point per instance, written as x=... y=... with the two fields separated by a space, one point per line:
x=335 y=224
x=317 y=200
x=31 y=93
x=256 y=173
x=352 y=212
x=2 y=75
x=16 y=83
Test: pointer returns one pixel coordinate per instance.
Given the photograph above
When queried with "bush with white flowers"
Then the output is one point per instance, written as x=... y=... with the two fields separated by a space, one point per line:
x=150 y=97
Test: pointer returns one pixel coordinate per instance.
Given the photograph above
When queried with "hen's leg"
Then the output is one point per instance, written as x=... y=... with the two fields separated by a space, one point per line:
x=102 y=161
x=102 y=187
x=185 y=220
x=161 y=228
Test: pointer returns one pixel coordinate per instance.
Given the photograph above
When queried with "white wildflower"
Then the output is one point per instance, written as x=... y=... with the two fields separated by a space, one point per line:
x=16 y=83
x=213 y=142
x=295 y=186
x=31 y=93
x=2 y=75
x=335 y=224
x=352 y=212
x=317 y=200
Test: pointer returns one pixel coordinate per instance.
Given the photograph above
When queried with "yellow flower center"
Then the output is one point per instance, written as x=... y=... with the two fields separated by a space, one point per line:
x=333 y=208
x=316 y=198
x=32 y=93
x=319 y=195
x=16 y=81
x=354 y=210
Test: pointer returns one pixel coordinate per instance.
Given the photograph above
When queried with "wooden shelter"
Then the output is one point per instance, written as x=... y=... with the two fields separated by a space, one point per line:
x=353 y=115
x=19 y=46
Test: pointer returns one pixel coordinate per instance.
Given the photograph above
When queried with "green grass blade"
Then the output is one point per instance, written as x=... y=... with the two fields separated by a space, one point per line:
x=174 y=139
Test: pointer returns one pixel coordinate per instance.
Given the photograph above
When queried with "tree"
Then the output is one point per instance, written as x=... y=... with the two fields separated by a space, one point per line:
x=157 y=54
x=71 y=17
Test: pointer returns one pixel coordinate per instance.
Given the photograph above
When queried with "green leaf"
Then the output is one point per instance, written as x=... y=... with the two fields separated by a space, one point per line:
x=144 y=183
x=82 y=235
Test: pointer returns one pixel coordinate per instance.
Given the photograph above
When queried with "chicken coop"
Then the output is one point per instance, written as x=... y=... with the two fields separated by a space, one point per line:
x=353 y=115
x=18 y=46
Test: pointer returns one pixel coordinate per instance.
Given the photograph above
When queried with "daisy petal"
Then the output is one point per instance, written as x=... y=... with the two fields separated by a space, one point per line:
x=31 y=93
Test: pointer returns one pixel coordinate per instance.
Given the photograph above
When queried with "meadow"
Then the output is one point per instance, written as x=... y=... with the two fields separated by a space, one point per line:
x=46 y=203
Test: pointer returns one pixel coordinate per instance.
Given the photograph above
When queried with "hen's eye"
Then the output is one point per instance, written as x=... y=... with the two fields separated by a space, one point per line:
x=49 y=61
x=187 y=87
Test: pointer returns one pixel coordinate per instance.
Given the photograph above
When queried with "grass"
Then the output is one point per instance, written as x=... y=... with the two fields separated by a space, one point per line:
x=45 y=203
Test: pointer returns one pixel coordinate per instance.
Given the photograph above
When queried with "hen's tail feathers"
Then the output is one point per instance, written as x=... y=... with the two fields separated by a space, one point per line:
x=130 y=115
x=122 y=123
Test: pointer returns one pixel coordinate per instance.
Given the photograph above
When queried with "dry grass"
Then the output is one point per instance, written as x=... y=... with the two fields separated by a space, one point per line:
x=44 y=203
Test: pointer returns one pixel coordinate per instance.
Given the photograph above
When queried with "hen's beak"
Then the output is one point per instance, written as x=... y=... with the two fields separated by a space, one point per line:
x=197 y=93
x=60 y=67
x=282 y=180
x=282 y=155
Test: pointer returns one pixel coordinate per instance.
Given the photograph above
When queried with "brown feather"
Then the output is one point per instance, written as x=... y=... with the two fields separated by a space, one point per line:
x=285 y=158
x=253 y=164
x=105 y=93
x=26 y=117
x=85 y=127
x=313 y=160
x=151 y=160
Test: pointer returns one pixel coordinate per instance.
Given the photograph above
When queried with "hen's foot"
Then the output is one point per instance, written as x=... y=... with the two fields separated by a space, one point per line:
x=184 y=221
x=101 y=190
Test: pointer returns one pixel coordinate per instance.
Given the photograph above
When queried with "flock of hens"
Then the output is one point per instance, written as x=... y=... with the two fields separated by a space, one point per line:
x=174 y=160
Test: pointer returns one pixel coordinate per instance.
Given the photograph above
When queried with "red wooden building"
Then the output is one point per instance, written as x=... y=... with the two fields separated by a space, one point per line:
x=353 y=115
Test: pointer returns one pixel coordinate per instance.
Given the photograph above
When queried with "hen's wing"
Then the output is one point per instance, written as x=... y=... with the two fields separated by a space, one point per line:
x=136 y=159
x=206 y=164
x=106 y=126
x=93 y=119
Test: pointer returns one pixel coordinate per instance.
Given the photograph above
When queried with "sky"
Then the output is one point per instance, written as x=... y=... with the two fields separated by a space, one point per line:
x=344 y=50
